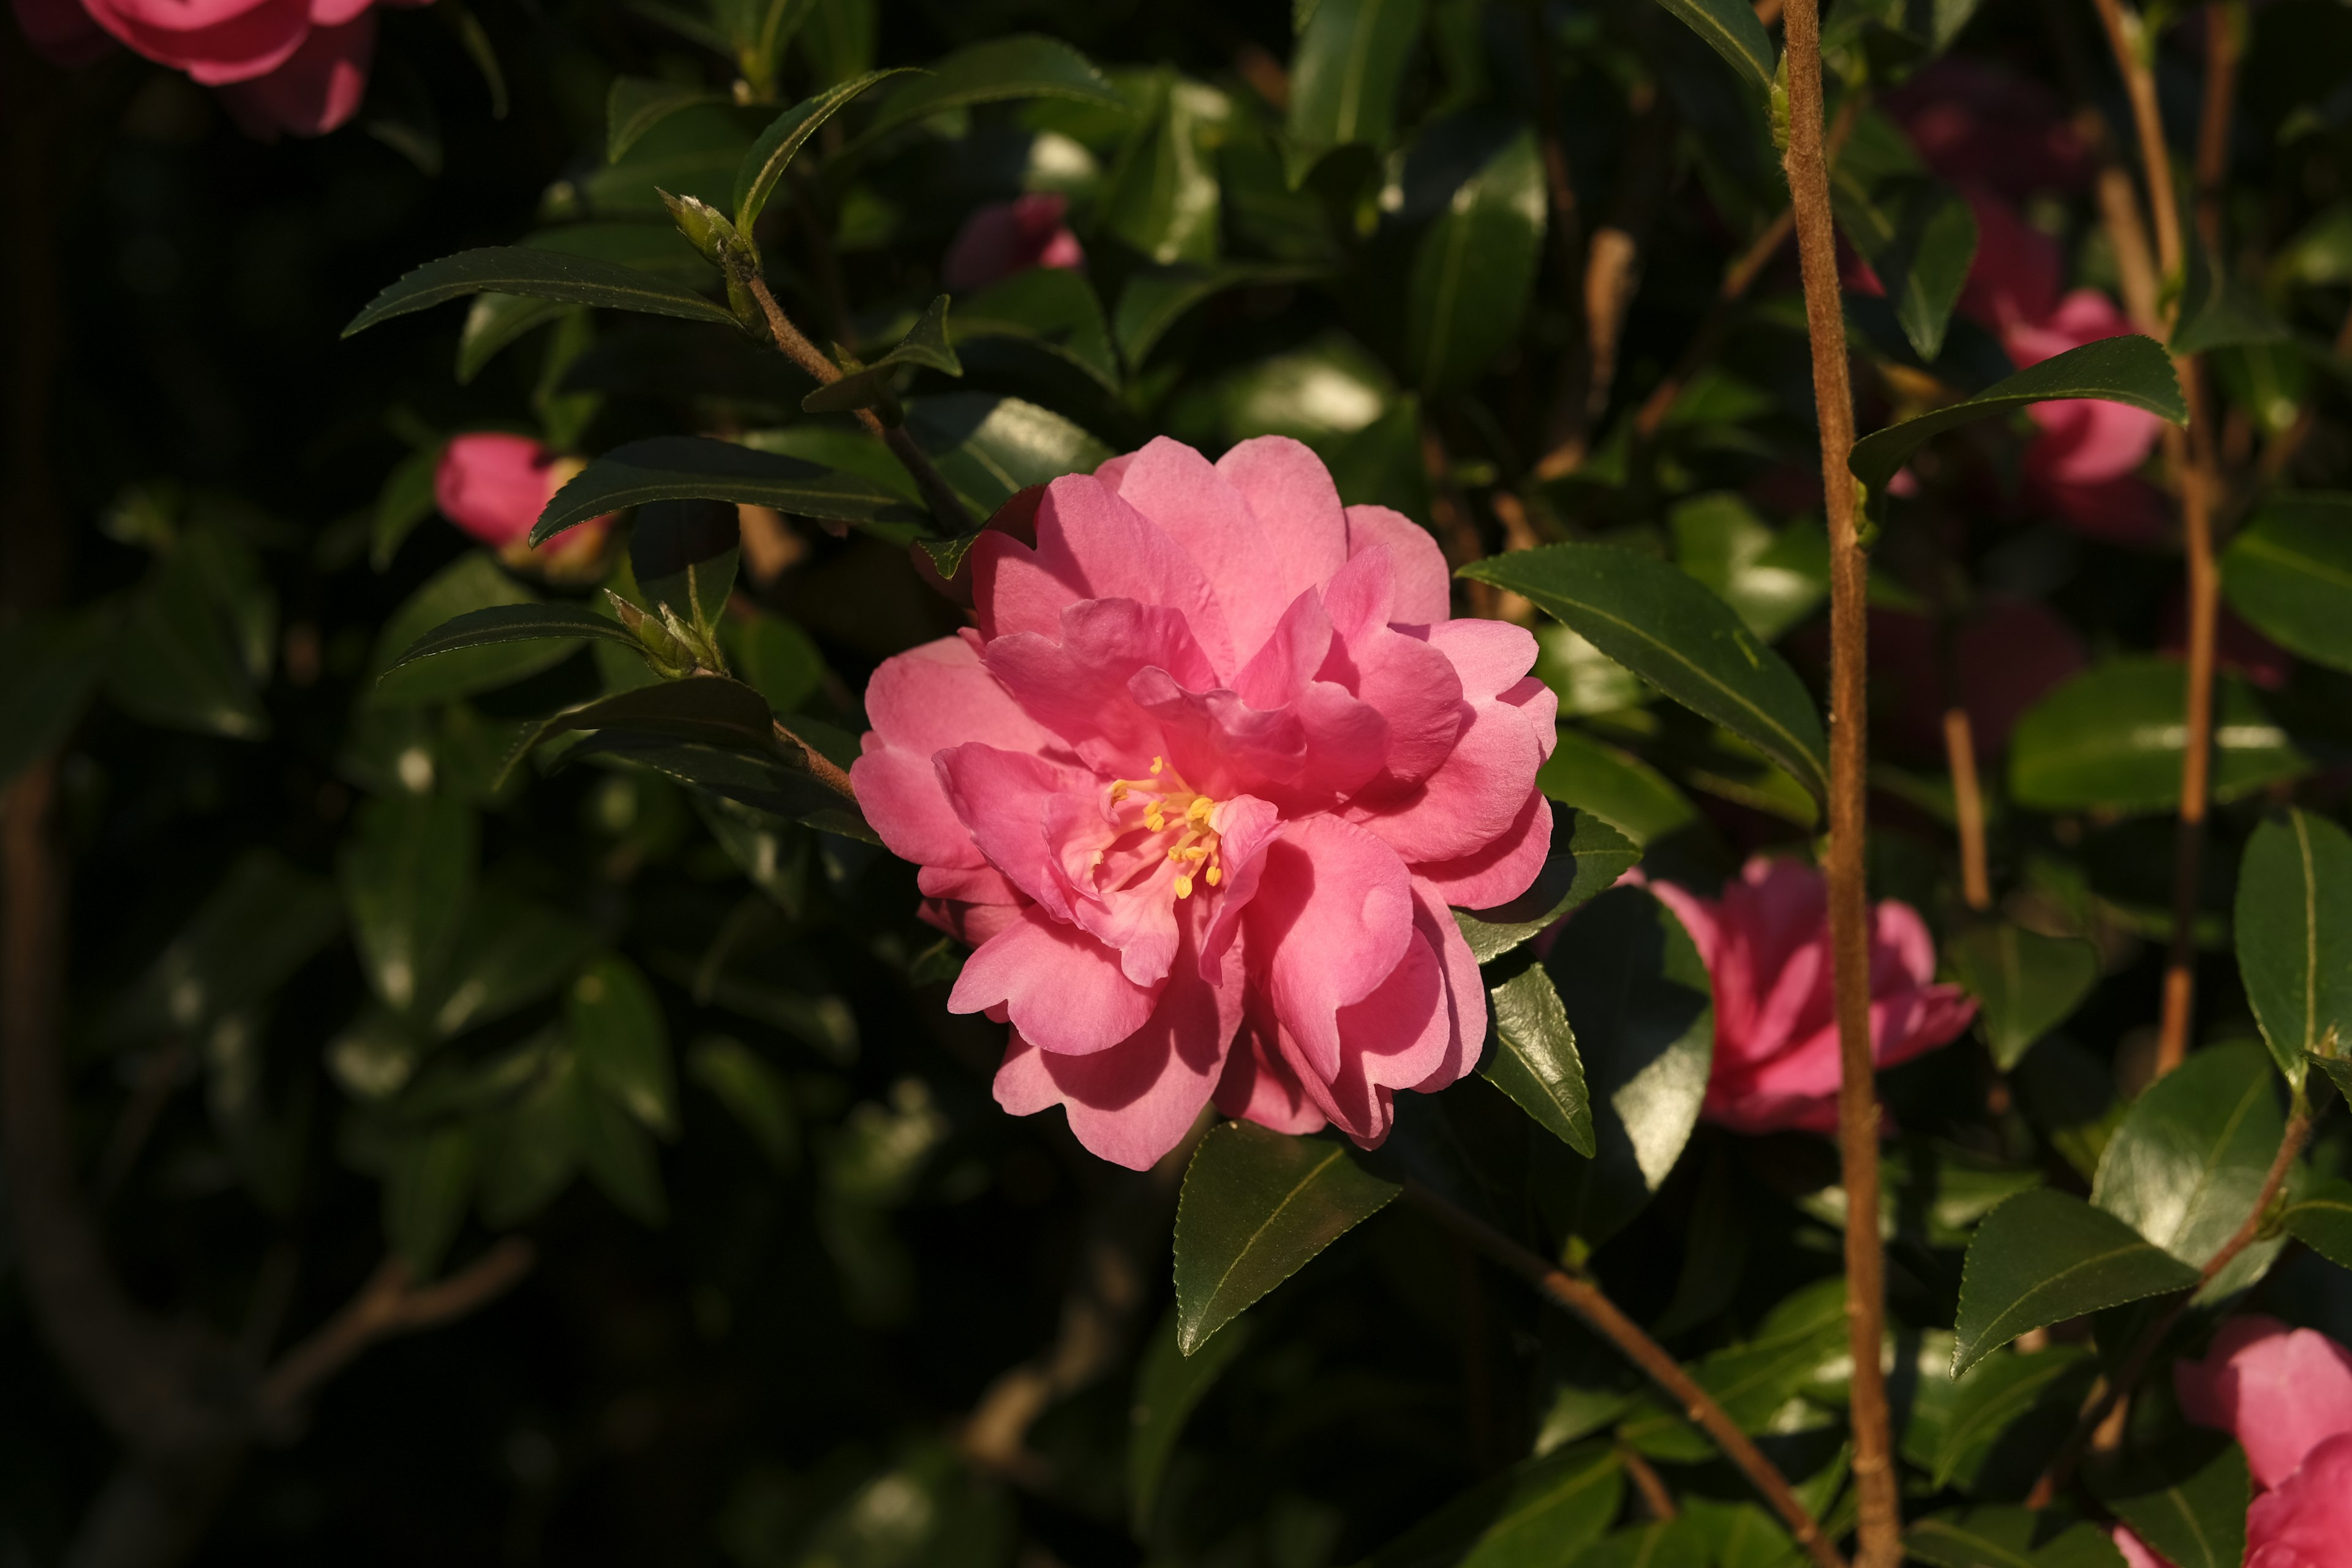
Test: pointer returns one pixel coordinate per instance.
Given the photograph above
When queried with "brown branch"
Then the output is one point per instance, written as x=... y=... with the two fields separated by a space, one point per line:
x=1602 y=1315
x=1967 y=807
x=386 y=1305
x=1879 y=1543
x=2107 y=1394
x=2221 y=45
x=827 y=771
x=1659 y=1501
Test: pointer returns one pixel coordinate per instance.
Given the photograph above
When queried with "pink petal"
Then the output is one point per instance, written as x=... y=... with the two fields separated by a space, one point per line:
x=1332 y=917
x=2306 y=1522
x=1394 y=1038
x=1491 y=657
x=1245 y=826
x=1289 y=657
x=1259 y=1085
x=1424 y=587
x=2017 y=268
x=1202 y=510
x=1004 y=797
x=2136 y=1552
x=1410 y=681
x=1466 y=993
x=922 y=702
x=494 y=485
x=1296 y=505
x=1060 y=987
x=1077 y=687
x=2283 y=1392
x=1502 y=870
x=1480 y=793
x=1005 y=237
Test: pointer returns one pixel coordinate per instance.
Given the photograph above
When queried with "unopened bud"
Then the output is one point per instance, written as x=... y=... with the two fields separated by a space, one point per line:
x=705 y=227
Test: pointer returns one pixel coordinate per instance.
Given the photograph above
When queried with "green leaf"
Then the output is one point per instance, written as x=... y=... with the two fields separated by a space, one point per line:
x=2112 y=737
x=925 y=345
x=176 y=661
x=1345 y=70
x=1637 y=997
x=2294 y=925
x=408 y=872
x=2130 y=370
x=511 y=951
x=2218 y=311
x=426 y=1194
x=1161 y=197
x=260 y=923
x=1256 y=1207
x=775 y=657
x=1614 y=787
x=683 y=468
x=710 y=710
x=2186 y=1166
x=2290 y=574
x=636 y=104
x=2027 y=983
x=753 y=1091
x=538 y=275
x=1054 y=308
x=2189 y=1504
x=2322 y=1220
x=530 y=1155
x=1731 y=30
x=48 y=667
x=1586 y=858
x=1801 y=1341
x=684 y=554
x=1534 y=1060
x=471 y=583
x=766 y=781
x=1025 y=65
x=2002 y=1409
x=563 y=621
x=1678 y=1543
x=1660 y=622
x=1156 y=298
x=1774 y=581
x=1167 y=1387
x=406 y=500
x=1474 y=270
x=773 y=154
x=2004 y=1537
x=616 y=1026
x=990 y=449
x=2044 y=1256
x=616 y=1152
x=2070 y=1093
x=1918 y=237
x=1540 y=1513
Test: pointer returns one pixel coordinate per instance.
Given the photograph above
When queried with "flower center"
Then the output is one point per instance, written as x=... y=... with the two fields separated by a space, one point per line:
x=1172 y=805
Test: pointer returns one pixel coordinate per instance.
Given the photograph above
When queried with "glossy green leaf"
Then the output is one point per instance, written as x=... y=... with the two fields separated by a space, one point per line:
x=1586 y=858
x=1540 y=1512
x=2026 y=984
x=2322 y=1220
x=473 y=582
x=175 y=659
x=1346 y=68
x=775 y=657
x=1156 y=298
x=634 y=105
x=530 y=1154
x=1731 y=30
x=2044 y=1256
x=2112 y=737
x=615 y=1026
x=989 y=449
x=1534 y=1060
x=1774 y=581
x=1474 y=269
x=2218 y=310
x=1662 y=624
x=681 y=467
x=1256 y=1207
x=684 y=554
x=2338 y=1070
x=753 y=1091
x=2188 y=1503
x=2293 y=926
x=511 y=951
x=2000 y=1536
x=2289 y=572
x=538 y=275
x=1025 y=65
x=426 y=1194
x=260 y=923
x=1167 y=1387
x=1678 y=1543
x=2006 y=1409
x=48 y=667
x=2188 y=1164
x=563 y=621
x=1054 y=308
x=1163 y=196
x=925 y=345
x=1637 y=997
x=1614 y=787
x=407 y=873
x=2133 y=371
x=766 y=781
x=1799 y=1341
x=773 y=154
x=1919 y=237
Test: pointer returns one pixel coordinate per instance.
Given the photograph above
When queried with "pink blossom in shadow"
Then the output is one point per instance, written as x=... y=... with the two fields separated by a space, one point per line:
x=1977 y=122
x=2281 y=1391
x=1005 y=237
x=493 y=486
x=1765 y=942
x=2006 y=655
x=1202 y=782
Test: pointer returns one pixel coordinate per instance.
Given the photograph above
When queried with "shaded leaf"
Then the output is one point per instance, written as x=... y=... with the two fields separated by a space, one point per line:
x=1054 y=308
x=634 y=105
x=2026 y=984
x=563 y=621
x=538 y=275
x=473 y=582
x=2218 y=311
x=1919 y=237
x=530 y=1155
x=1163 y=196
x=617 y=1155
x=1025 y=65
x=1167 y=1387
x=1534 y=1060
x=753 y=1091
x=1586 y=858
x=2322 y=1220
x=1662 y=624
x=1156 y=298
x=925 y=345
x=698 y=467
x=2000 y=1400
x=1345 y=69
x=1541 y=1512
x=511 y=951
x=176 y=661
x=2188 y=1502
x=48 y=667
x=407 y=873
x=616 y=1027
x=406 y=500
x=2004 y=1537
x=2112 y=737
x=1731 y=30
x=773 y=154
x=426 y=1194
x=2293 y=926
x=1256 y=1207
x=260 y=923
x=1474 y=269
x=2289 y=572
x=2044 y=1256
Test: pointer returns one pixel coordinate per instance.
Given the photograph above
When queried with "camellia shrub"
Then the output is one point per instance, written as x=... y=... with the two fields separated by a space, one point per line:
x=1439 y=783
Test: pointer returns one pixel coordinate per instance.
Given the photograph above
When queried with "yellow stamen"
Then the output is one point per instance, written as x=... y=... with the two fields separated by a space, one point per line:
x=1200 y=808
x=1216 y=875
x=1184 y=886
x=1157 y=763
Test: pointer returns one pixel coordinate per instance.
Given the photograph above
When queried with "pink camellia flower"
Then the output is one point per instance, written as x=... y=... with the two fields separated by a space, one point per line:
x=2006 y=655
x=493 y=486
x=2306 y=1521
x=281 y=64
x=1974 y=121
x=2135 y=1552
x=2283 y=1392
x=1201 y=783
x=1005 y=237
x=1765 y=942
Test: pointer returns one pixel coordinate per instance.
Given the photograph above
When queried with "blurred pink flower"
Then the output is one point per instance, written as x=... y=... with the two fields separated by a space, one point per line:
x=2283 y=1392
x=282 y=65
x=1766 y=945
x=1005 y=237
x=2306 y=1521
x=2135 y=1550
x=493 y=486
x=1200 y=784
x=1976 y=121
x=2006 y=655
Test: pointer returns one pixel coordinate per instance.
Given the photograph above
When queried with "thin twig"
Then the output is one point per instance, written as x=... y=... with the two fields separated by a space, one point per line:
x=1585 y=1301
x=826 y=771
x=1659 y=1501
x=2107 y=1392
x=1879 y=1536
x=2222 y=42
x=1967 y=807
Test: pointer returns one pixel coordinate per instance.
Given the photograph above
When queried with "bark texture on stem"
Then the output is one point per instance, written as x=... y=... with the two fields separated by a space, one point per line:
x=1599 y=1314
x=1968 y=808
x=1879 y=1543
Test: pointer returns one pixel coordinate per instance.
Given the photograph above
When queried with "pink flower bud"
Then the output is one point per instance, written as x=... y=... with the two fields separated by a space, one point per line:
x=1007 y=238
x=493 y=486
